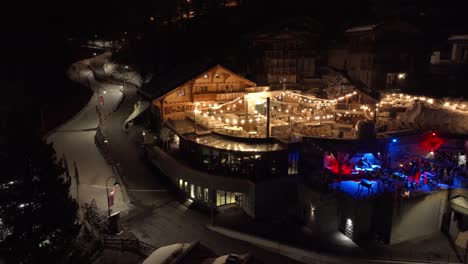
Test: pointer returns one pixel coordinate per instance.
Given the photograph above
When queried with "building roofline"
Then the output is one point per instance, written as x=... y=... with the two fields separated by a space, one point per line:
x=181 y=256
x=361 y=28
x=217 y=66
x=458 y=37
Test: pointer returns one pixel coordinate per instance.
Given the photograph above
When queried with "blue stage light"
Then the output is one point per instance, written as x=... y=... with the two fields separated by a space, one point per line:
x=394 y=140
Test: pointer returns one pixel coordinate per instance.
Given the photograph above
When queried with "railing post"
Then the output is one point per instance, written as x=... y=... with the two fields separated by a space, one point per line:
x=466 y=252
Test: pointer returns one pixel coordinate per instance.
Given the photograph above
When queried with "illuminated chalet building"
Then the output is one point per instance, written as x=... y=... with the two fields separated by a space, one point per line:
x=334 y=163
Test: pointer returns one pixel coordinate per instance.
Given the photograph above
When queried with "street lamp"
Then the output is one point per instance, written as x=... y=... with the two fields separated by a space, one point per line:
x=116 y=183
x=108 y=153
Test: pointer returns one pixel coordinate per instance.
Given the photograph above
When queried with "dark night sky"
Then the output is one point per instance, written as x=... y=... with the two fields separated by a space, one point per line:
x=88 y=16
x=36 y=32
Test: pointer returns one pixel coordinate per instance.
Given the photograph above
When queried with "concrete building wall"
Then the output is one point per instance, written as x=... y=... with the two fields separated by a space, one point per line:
x=337 y=58
x=259 y=199
x=274 y=197
x=358 y=213
x=353 y=61
x=248 y=201
x=175 y=170
x=418 y=217
x=318 y=211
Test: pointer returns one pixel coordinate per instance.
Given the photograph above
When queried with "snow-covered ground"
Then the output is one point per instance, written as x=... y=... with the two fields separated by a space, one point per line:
x=75 y=140
x=447 y=116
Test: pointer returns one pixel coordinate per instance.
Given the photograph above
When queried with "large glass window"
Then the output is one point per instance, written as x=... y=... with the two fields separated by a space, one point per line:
x=220 y=198
x=223 y=198
x=199 y=193
x=206 y=195
x=230 y=198
x=192 y=190
x=293 y=161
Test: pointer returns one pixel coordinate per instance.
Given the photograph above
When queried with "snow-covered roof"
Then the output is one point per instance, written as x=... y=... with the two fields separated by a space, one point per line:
x=458 y=37
x=163 y=253
x=450 y=117
x=460 y=204
x=361 y=28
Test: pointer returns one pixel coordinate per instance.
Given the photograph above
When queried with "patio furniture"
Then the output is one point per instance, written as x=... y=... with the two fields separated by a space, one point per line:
x=365 y=184
x=253 y=134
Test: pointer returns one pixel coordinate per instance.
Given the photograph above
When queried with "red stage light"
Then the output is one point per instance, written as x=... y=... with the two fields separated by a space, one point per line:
x=433 y=142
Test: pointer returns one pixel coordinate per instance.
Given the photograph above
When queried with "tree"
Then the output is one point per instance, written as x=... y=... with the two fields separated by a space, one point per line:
x=39 y=216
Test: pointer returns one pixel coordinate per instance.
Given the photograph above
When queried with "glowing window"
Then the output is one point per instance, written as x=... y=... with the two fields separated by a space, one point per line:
x=199 y=193
x=312 y=213
x=192 y=190
x=206 y=195
x=349 y=228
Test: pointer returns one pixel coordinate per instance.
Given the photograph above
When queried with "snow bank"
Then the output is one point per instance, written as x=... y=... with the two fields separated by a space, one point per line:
x=426 y=113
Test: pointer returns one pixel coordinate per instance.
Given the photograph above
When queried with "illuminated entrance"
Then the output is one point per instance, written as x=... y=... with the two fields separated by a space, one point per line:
x=223 y=198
